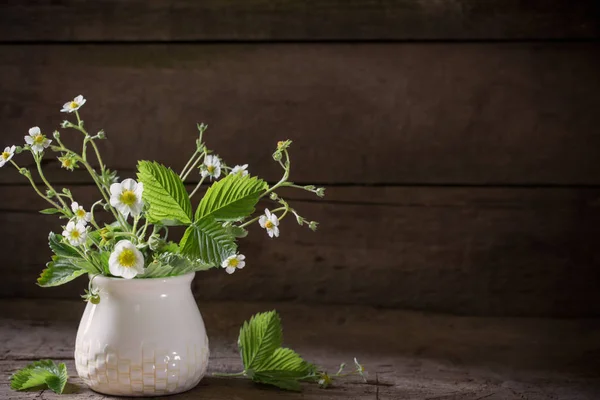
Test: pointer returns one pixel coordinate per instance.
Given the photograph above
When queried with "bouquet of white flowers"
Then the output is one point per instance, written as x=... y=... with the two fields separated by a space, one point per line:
x=136 y=243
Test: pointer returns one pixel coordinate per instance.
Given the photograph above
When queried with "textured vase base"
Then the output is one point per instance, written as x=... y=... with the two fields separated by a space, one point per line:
x=123 y=393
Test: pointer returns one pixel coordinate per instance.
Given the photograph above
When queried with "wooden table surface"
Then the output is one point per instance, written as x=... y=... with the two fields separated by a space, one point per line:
x=409 y=355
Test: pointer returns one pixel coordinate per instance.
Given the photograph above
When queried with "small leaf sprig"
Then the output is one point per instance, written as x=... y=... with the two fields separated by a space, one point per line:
x=267 y=362
x=40 y=374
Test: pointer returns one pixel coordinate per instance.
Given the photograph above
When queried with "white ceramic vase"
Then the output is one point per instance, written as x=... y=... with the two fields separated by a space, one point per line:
x=146 y=337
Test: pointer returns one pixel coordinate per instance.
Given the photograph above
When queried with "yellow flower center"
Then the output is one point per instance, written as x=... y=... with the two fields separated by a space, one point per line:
x=67 y=163
x=234 y=262
x=39 y=139
x=269 y=224
x=127 y=258
x=210 y=169
x=6 y=155
x=128 y=197
x=75 y=235
x=73 y=104
x=80 y=213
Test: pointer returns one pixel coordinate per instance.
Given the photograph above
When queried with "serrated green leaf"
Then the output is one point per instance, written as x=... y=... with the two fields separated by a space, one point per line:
x=259 y=338
x=170 y=264
x=165 y=194
x=207 y=241
x=285 y=384
x=231 y=198
x=60 y=248
x=284 y=363
x=237 y=231
x=50 y=211
x=60 y=271
x=38 y=373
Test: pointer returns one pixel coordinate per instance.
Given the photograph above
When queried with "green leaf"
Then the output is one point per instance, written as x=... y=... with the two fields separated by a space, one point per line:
x=50 y=211
x=164 y=192
x=60 y=271
x=60 y=248
x=38 y=373
x=259 y=338
x=208 y=241
x=231 y=198
x=170 y=264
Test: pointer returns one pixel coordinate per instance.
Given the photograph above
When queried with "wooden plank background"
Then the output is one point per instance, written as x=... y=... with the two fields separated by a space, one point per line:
x=458 y=141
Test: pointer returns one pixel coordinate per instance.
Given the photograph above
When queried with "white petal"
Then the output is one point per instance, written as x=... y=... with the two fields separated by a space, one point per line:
x=115 y=189
x=70 y=226
x=217 y=172
x=262 y=221
x=274 y=219
x=123 y=209
x=46 y=143
x=74 y=206
x=275 y=231
x=139 y=190
x=268 y=213
x=88 y=217
x=270 y=232
x=34 y=131
x=230 y=270
x=129 y=184
x=241 y=265
x=28 y=140
x=78 y=99
x=241 y=257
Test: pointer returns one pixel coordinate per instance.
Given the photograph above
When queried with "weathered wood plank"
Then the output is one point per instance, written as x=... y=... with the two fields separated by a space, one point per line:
x=372 y=113
x=110 y=20
x=407 y=354
x=485 y=251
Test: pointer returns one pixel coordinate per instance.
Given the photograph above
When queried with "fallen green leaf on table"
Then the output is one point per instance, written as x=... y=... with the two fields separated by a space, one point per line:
x=41 y=373
x=267 y=362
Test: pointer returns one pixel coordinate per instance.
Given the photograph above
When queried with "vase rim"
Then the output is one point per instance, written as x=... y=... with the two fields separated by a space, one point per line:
x=170 y=279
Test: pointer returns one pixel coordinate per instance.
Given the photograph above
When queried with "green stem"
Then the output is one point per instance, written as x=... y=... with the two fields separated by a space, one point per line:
x=188 y=163
x=28 y=176
x=39 y=168
x=183 y=178
x=285 y=176
x=253 y=220
x=224 y=374
x=143 y=233
x=197 y=187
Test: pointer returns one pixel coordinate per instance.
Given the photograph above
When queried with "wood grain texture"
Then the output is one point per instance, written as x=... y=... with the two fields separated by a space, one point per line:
x=408 y=355
x=358 y=113
x=111 y=20
x=484 y=251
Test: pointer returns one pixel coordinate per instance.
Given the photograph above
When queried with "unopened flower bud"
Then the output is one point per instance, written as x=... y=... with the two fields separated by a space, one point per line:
x=309 y=187
x=66 y=124
x=24 y=171
x=66 y=191
x=18 y=149
x=320 y=192
x=101 y=135
x=273 y=196
x=277 y=156
x=300 y=220
x=50 y=193
x=313 y=225
x=56 y=135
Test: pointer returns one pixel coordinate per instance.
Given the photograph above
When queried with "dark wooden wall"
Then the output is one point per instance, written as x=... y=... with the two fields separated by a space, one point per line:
x=458 y=140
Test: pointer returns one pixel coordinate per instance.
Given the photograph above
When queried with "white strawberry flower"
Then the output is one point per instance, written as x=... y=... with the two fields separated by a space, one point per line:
x=270 y=222
x=211 y=167
x=73 y=105
x=126 y=197
x=37 y=140
x=126 y=260
x=234 y=262
x=75 y=233
x=7 y=155
x=80 y=214
x=240 y=170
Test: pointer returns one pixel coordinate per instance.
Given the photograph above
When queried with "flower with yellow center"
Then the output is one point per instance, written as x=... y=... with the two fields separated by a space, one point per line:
x=211 y=167
x=7 y=155
x=68 y=162
x=234 y=262
x=270 y=222
x=80 y=214
x=126 y=197
x=36 y=140
x=75 y=233
x=126 y=260
x=74 y=105
x=240 y=170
